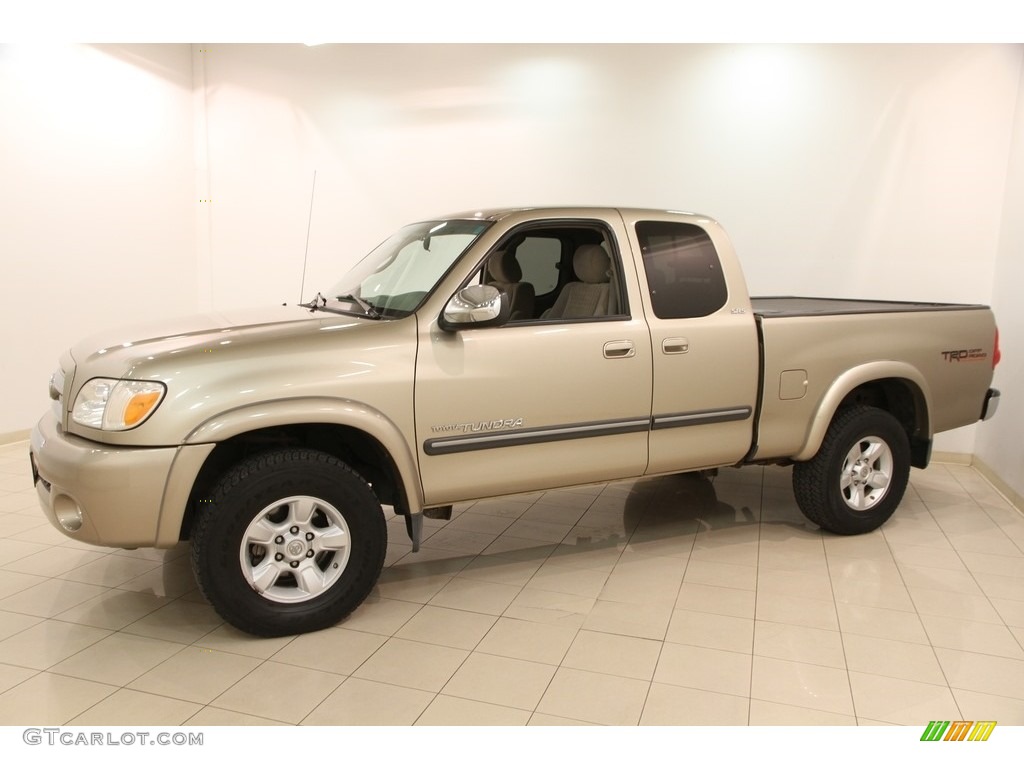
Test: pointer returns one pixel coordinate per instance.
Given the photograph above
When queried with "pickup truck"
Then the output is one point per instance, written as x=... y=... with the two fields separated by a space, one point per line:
x=484 y=354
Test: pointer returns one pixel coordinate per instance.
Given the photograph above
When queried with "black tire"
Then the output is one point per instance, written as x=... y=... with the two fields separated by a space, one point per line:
x=289 y=541
x=859 y=475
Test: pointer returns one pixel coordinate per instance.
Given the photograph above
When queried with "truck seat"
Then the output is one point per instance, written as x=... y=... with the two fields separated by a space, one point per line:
x=505 y=274
x=590 y=297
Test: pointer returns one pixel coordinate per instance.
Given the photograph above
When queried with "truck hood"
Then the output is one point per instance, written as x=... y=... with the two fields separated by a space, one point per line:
x=117 y=351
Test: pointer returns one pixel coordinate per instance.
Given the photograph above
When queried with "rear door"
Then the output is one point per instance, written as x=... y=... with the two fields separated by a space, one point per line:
x=704 y=345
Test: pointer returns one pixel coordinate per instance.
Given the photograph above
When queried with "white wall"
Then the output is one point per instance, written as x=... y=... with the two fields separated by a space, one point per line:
x=97 y=192
x=875 y=171
x=999 y=441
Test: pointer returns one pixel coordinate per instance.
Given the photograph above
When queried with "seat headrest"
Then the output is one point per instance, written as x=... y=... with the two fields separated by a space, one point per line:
x=591 y=264
x=504 y=267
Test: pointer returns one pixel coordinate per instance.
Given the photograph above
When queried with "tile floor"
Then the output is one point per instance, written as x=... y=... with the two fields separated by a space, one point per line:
x=664 y=601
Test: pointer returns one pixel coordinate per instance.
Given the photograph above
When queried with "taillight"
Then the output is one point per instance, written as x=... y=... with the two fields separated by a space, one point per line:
x=996 y=354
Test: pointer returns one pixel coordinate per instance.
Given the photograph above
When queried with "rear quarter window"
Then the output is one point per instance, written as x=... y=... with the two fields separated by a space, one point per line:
x=684 y=274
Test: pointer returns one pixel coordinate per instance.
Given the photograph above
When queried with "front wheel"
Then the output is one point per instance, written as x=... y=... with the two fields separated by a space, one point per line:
x=289 y=541
x=859 y=475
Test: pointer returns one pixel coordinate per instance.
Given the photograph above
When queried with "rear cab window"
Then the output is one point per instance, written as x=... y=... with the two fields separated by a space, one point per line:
x=683 y=270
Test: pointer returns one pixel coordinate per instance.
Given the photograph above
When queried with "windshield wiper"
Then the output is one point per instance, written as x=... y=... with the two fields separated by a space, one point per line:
x=367 y=307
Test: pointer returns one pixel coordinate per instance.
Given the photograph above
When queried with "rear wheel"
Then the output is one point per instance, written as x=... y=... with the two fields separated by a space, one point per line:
x=290 y=541
x=859 y=475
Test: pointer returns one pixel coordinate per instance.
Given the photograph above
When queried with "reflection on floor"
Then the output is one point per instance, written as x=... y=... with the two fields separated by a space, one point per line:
x=674 y=600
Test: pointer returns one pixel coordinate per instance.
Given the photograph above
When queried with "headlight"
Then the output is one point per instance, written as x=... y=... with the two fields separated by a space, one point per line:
x=115 y=404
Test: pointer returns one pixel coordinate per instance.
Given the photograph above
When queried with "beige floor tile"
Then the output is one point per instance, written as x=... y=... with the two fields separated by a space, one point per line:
x=550 y=607
x=13 y=623
x=171 y=580
x=648 y=620
x=979 y=637
x=49 y=699
x=571 y=581
x=613 y=654
x=53 y=561
x=982 y=673
x=448 y=627
x=181 y=621
x=380 y=615
x=864 y=569
x=787 y=609
x=540 y=719
x=996 y=565
x=539 y=530
x=880 y=622
x=279 y=692
x=478 y=523
x=111 y=570
x=230 y=640
x=721 y=600
x=527 y=640
x=589 y=548
x=500 y=680
x=985 y=706
x=337 y=650
x=1011 y=611
x=521 y=549
x=801 y=685
x=991 y=542
x=710 y=630
x=408 y=586
x=125 y=707
x=499 y=569
x=449 y=710
x=462 y=542
x=47 y=643
x=795 y=643
x=114 y=609
x=953 y=605
x=11 y=676
x=773 y=581
x=940 y=579
x=903 y=702
x=772 y=713
x=217 y=716
x=892 y=658
x=117 y=659
x=50 y=598
x=869 y=546
x=410 y=664
x=707 y=669
x=195 y=674
x=673 y=705
x=1000 y=587
x=873 y=594
x=366 y=702
x=475 y=595
x=721 y=574
x=18 y=551
x=594 y=698
x=927 y=557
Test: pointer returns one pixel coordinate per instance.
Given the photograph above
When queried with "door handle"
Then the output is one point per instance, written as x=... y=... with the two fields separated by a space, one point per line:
x=675 y=346
x=613 y=349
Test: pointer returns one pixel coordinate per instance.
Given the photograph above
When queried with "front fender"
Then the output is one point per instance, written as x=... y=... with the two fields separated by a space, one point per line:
x=850 y=380
x=318 y=410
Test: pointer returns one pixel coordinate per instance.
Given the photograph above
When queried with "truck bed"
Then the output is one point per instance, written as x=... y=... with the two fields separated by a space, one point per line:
x=804 y=306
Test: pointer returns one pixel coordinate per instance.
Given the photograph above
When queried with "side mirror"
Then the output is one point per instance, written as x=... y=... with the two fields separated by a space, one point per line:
x=475 y=306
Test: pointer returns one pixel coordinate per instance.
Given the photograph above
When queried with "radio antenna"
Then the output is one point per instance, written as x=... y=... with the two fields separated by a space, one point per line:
x=309 y=224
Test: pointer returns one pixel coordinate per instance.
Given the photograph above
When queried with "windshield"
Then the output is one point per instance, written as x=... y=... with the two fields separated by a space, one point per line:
x=398 y=274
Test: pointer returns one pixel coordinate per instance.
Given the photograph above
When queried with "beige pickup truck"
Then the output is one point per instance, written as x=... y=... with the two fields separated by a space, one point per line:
x=483 y=354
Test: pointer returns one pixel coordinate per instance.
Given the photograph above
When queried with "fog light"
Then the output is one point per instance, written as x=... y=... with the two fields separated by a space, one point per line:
x=68 y=513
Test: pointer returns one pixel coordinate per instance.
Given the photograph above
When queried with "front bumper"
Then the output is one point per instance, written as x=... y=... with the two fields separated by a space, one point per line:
x=111 y=496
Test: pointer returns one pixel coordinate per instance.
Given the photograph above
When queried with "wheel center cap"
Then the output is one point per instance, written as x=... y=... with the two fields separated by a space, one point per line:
x=863 y=471
x=295 y=547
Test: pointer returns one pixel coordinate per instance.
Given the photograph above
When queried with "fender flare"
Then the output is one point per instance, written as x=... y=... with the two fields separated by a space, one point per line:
x=846 y=383
x=318 y=410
